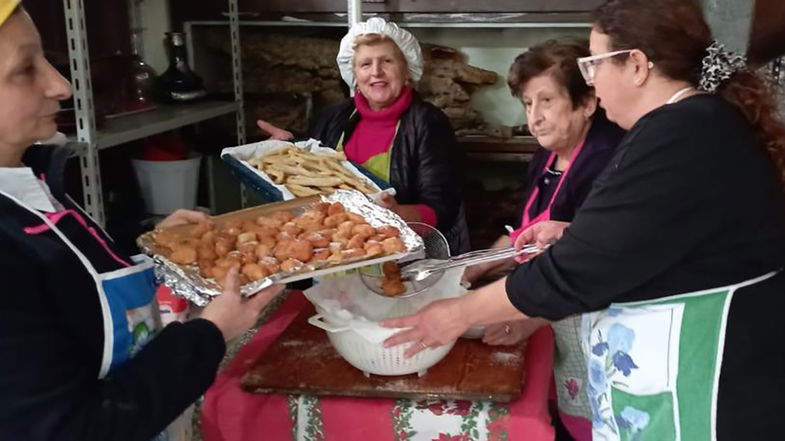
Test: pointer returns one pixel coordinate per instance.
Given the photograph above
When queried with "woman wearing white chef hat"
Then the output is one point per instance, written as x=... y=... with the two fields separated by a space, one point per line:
x=391 y=131
x=82 y=358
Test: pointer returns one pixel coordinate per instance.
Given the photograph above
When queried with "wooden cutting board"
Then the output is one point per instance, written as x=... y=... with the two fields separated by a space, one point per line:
x=302 y=361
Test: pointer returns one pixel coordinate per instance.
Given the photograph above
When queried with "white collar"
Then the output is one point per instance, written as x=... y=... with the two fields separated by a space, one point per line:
x=21 y=183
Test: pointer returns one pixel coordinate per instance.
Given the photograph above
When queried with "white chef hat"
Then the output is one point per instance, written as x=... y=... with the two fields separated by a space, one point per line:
x=375 y=25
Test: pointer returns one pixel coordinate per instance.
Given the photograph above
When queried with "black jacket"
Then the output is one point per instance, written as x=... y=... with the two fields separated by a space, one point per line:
x=690 y=201
x=426 y=161
x=51 y=338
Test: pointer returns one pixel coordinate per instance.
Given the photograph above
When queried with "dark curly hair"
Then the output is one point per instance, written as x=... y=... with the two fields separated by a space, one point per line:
x=557 y=58
x=674 y=35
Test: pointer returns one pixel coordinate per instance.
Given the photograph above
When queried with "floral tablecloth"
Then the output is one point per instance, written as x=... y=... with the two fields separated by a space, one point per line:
x=230 y=414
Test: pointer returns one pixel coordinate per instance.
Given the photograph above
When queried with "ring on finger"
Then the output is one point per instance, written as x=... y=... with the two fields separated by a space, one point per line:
x=507 y=329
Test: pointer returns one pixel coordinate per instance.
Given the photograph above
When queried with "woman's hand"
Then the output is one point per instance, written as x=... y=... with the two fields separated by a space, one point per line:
x=477 y=272
x=182 y=217
x=409 y=213
x=274 y=132
x=232 y=313
x=541 y=234
x=510 y=333
x=435 y=325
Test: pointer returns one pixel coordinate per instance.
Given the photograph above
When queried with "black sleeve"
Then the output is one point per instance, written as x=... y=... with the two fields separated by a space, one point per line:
x=147 y=393
x=49 y=388
x=647 y=210
x=439 y=183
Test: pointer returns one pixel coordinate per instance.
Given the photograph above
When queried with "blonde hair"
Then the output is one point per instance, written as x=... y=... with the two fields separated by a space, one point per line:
x=374 y=39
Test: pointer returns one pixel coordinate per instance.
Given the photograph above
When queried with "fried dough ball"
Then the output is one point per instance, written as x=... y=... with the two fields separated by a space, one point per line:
x=235 y=258
x=364 y=230
x=327 y=232
x=206 y=252
x=320 y=255
x=389 y=231
x=254 y=271
x=335 y=208
x=208 y=238
x=263 y=250
x=334 y=220
x=291 y=228
x=317 y=239
x=301 y=250
x=271 y=263
x=373 y=249
x=225 y=237
x=165 y=238
x=352 y=252
x=233 y=231
x=219 y=273
x=183 y=255
x=390 y=269
x=393 y=287
x=205 y=268
x=341 y=239
x=310 y=223
x=283 y=216
x=345 y=228
x=357 y=241
x=377 y=237
x=241 y=279
x=283 y=235
x=222 y=248
x=322 y=207
x=291 y=265
x=356 y=218
x=269 y=222
x=269 y=241
x=245 y=238
x=199 y=229
x=248 y=247
x=393 y=245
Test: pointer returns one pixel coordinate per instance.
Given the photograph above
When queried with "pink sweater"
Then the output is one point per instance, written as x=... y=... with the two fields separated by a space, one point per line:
x=374 y=135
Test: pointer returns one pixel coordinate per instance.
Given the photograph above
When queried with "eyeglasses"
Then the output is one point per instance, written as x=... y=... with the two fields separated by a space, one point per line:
x=589 y=65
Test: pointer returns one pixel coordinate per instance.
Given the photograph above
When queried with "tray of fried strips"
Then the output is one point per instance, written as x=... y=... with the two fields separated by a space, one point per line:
x=281 y=170
x=279 y=243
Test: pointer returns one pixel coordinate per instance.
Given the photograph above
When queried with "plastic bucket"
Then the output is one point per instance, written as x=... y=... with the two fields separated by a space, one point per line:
x=168 y=185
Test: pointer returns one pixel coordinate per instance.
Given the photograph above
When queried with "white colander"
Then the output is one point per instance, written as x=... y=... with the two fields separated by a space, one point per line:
x=350 y=313
x=372 y=357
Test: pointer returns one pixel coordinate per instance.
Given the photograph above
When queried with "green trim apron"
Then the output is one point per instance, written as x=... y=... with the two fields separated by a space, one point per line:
x=654 y=366
x=379 y=164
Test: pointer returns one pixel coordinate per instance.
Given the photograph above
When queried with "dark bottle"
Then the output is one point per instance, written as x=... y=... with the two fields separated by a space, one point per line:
x=179 y=83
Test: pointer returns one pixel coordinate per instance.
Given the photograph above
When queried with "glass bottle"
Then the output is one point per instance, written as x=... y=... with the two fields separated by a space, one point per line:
x=179 y=83
x=142 y=80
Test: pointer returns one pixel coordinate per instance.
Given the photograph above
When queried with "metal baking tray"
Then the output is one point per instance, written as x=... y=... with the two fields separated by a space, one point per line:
x=186 y=281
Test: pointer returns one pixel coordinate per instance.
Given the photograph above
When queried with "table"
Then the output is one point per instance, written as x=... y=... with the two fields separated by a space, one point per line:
x=231 y=414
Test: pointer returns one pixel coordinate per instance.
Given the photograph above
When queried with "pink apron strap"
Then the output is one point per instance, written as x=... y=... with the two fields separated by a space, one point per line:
x=526 y=221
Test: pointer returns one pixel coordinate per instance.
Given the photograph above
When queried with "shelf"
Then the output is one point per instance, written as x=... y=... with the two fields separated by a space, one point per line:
x=485 y=148
x=421 y=20
x=166 y=117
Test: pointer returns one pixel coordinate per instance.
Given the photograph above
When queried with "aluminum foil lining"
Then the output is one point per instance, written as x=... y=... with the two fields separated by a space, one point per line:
x=185 y=281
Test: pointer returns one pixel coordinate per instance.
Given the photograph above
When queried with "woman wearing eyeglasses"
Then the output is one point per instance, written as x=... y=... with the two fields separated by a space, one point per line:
x=675 y=259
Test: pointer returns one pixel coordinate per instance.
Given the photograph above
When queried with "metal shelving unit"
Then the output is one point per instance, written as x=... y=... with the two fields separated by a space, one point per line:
x=89 y=141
